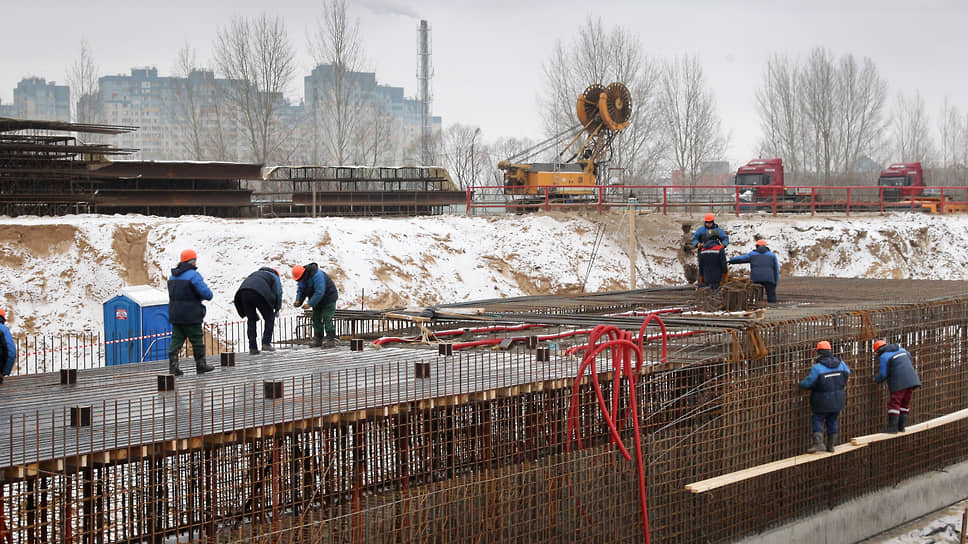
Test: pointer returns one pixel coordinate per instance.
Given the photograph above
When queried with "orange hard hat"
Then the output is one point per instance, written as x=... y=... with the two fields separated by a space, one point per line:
x=297 y=272
x=3 y=314
x=878 y=344
x=709 y=217
x=823 y=344
x=187 y=255
x=761 y=242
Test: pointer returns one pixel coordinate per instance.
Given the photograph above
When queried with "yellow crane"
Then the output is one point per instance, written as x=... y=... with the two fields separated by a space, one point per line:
x=603 y=112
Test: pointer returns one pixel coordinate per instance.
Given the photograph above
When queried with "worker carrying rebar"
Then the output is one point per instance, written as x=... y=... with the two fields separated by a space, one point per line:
x=897 y=367
x=713 y=268
x=764 y=268
x=827 y=383
x=709 y=229
x=8 y=348
x=319 y=288
x=260 y=293
x=186 y=291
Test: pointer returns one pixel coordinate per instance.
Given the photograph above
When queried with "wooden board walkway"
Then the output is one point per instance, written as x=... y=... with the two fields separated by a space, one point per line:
x=854 y=444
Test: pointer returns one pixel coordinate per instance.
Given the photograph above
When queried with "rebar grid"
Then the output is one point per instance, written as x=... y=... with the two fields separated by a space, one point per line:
x=360 y=450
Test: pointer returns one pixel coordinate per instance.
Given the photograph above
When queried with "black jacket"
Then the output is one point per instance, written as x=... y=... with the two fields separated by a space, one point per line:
x=266 y=283
x=712 y=262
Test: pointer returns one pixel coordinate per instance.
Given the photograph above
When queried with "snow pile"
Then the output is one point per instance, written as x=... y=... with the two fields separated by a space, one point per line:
x=58 y=271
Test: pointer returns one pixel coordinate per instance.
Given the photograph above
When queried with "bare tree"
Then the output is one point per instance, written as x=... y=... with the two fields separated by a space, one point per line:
x=690 y=123
x=339 y=96
x=82 y=77
x=910 y=132
x=861 y=93
x=602 y=56
x=258 y=60
x=464 y=154
x=781 y=114
x=822 y=116
x=188 y=104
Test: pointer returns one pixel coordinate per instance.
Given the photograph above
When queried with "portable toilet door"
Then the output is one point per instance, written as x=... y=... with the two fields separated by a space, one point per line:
x=155 y=332
x=122 y=320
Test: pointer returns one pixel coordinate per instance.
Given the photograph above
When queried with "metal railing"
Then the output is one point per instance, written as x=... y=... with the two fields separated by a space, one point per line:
x=736 y=199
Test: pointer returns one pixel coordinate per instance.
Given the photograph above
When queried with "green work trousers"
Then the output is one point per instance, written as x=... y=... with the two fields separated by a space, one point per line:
x=323 y=319
x=194 y=335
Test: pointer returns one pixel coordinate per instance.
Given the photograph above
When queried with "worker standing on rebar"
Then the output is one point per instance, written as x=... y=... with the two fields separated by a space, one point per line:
x=186 y=291
x=319 y=288
x=713 y=268
x=260 y=293
x=764 y=268
x=897 y=367
x=709 y=229
x=827 y=382
x=8 y=348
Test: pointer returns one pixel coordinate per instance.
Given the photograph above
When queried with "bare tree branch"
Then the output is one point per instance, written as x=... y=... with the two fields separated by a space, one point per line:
x=83 y=80
x=258 y=60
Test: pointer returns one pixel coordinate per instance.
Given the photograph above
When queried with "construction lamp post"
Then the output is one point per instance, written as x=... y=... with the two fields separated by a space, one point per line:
x=474 y=158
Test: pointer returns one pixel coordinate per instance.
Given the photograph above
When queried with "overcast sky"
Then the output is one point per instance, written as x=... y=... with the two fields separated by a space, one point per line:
x=488 y=56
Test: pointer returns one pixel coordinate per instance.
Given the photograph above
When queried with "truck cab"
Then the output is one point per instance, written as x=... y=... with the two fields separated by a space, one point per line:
x=902 y=180
x=764 y=177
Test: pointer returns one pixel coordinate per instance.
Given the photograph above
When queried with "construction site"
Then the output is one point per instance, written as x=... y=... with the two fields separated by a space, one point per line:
x=620 y=417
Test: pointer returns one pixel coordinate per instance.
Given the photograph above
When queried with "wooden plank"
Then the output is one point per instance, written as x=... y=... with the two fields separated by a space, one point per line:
x=759 y=470
x=911 y=429
x=855 y=443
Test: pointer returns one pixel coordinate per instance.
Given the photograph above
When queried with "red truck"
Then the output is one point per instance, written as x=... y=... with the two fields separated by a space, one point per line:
x=764 y=177
x=902 y=181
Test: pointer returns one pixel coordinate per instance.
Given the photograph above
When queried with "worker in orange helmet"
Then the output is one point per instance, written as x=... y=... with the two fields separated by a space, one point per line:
x=318 y=287
x=827 y=383
x=709 y=228
x=8 y=348
x=703 y=234
x=897 y=367
x=186 y=291
x=764 y=268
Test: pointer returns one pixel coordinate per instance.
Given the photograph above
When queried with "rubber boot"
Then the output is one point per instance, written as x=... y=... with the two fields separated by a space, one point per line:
x=892 y=424
x=831 y=441
x=317 y=341
x=173 y=365
x=330 y=339
x=253 y=351
x=818 y=444
x=901 y=420
x=268 y=347
x=201 y=366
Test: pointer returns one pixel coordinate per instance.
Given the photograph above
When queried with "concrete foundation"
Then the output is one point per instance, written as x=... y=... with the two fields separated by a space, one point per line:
x=867 y=516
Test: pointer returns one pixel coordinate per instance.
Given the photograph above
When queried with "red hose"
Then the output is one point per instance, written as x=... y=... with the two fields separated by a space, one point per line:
x=623 y=344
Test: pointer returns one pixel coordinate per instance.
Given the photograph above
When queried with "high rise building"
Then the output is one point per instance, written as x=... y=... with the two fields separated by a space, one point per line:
x=36 y=98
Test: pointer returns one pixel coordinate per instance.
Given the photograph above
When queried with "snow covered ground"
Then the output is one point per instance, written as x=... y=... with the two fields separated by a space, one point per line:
x=57 y=271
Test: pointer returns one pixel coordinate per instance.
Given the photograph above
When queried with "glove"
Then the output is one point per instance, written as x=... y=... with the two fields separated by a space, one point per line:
x=276 y=314
x=297 y=304
x=700 y=281
x=725 y=277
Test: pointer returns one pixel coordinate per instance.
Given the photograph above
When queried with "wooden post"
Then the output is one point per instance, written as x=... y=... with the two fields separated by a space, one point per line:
x=632 y=245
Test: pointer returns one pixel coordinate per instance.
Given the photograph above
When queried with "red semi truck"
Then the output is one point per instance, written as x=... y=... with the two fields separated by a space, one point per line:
x=764 y=177
x=903 y=180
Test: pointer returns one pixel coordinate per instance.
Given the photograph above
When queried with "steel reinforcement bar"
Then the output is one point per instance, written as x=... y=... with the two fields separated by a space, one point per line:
x=392 y=446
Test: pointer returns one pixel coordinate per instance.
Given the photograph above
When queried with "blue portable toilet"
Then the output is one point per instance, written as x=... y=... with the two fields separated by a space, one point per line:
x=140 y=312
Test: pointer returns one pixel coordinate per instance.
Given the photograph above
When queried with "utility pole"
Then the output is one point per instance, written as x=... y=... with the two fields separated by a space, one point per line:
x=474 y=158
x=632 y=202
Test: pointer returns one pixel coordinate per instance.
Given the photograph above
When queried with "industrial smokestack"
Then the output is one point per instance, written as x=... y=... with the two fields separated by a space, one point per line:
x=424 y=71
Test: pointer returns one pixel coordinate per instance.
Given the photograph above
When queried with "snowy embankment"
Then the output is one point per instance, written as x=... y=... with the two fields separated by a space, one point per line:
x=57 y=272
